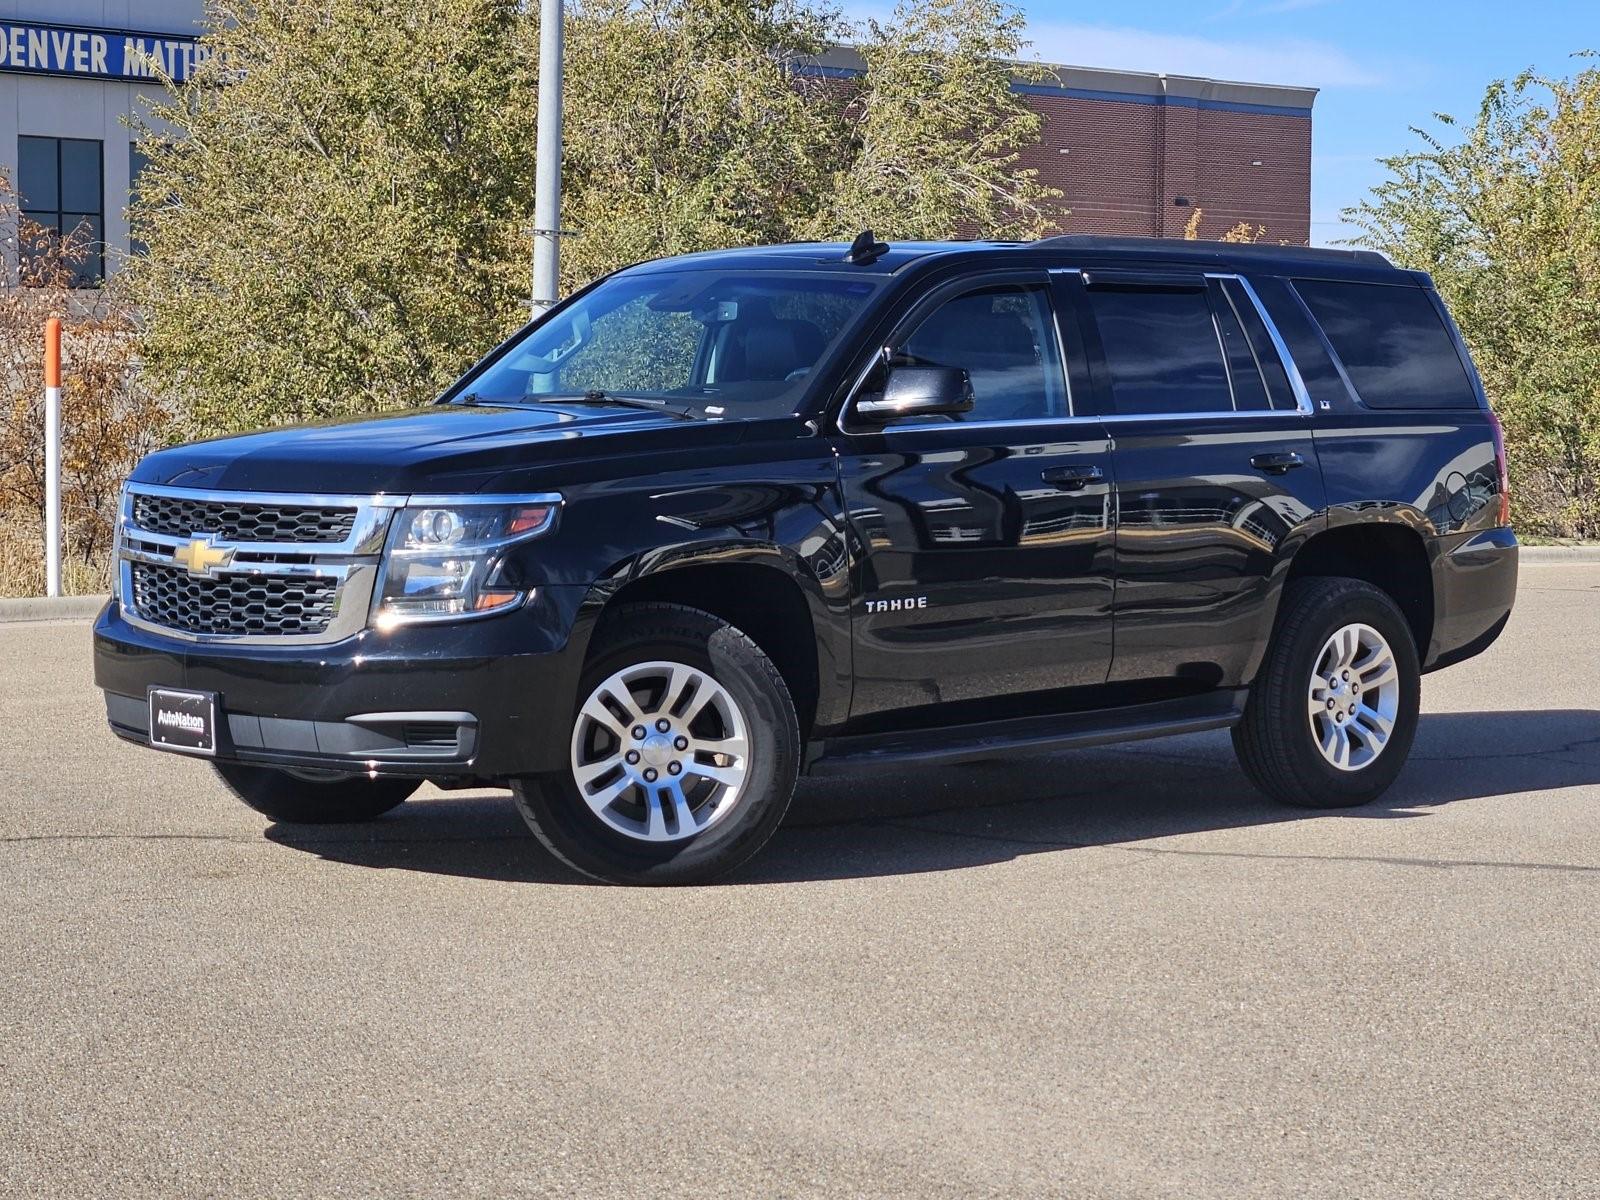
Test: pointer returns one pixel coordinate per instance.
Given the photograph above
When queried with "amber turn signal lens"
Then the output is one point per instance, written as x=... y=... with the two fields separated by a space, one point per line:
x=494 y=599
x=526 y=520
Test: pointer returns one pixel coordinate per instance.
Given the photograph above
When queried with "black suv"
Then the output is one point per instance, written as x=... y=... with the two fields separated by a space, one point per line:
x=719 y=520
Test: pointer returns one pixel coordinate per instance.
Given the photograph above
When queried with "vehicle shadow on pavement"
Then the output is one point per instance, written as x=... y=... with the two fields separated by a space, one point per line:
x=949 y=818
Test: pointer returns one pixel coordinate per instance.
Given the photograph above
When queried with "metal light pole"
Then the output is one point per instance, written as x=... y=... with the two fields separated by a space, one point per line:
x=52 y=457
x=547 y=180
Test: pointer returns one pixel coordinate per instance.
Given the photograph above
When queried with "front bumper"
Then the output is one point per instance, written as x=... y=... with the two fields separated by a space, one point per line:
x=485 y=699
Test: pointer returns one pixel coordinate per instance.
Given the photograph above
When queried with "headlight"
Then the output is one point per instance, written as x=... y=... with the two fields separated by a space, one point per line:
x=445 y=556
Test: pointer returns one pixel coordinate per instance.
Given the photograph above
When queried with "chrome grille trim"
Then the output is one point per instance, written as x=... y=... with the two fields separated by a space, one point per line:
x=258 y=594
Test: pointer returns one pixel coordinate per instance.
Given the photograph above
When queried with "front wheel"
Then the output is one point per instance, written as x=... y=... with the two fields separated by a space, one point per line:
x=306 y=798
x=1333 y=711
x=684 y=749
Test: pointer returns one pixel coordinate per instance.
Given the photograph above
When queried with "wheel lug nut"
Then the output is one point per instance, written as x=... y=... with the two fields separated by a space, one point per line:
x=1344 y=674
x=681 y=743
x=638 y=733
x=663 y=725
x=649 y=774
x=1338 y=716
x=1330 y=702
x=632 y=756
x=673 y=768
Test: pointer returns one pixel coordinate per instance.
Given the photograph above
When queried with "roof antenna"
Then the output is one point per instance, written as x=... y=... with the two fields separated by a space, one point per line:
x=866 y=249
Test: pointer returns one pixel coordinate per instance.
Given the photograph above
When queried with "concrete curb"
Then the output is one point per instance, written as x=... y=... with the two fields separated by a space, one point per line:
x=41 y=608
x=1560 y=554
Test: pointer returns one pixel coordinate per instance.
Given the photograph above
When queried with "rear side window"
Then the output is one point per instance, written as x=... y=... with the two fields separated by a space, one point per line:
x=1161 y=350
x=1393 y=345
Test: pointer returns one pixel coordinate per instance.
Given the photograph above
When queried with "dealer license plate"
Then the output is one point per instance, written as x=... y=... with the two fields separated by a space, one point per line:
x=183 y=721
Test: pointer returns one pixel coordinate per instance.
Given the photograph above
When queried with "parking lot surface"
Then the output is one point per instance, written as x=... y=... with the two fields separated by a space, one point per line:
x=1113 y=973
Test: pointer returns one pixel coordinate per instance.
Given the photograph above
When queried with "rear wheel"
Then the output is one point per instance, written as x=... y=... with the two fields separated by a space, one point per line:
x=1333 y=712
x=314 y=798
x=684 y=748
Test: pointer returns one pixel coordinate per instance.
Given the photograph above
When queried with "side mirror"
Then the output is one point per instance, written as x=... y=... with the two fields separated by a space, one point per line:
x=919 y=392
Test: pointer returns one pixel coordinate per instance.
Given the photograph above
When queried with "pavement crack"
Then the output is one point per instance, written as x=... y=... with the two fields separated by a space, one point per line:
x=1254 y=855
x=125 y=837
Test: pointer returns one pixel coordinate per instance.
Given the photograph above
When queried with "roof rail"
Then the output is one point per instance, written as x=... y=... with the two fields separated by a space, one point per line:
x=1184 y=248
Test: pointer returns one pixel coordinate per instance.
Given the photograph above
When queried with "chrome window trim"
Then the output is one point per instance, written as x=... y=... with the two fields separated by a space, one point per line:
x=356 y=563
x=1297 y=384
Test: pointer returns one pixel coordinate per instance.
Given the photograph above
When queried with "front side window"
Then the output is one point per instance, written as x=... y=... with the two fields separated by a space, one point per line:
x=61 y=189
x=1003 y=336
x=710 y=342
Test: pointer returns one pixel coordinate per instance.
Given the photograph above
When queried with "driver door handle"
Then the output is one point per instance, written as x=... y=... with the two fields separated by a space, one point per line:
x=1072 y=478
x=1277 y=464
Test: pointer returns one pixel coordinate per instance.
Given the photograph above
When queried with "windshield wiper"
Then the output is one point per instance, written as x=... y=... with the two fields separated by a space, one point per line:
x=596 y=396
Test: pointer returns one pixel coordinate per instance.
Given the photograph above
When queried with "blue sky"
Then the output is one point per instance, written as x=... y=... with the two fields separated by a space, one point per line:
x=1383 y=65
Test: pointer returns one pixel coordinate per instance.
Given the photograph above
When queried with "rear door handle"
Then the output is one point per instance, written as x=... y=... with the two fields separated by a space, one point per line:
x=1277 y=464
x=1072 y=478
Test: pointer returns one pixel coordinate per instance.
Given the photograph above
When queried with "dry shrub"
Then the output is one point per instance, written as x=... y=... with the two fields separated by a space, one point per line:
x=108 y=421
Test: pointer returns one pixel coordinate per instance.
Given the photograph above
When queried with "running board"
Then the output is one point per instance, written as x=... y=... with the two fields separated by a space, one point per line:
x=1027 y=735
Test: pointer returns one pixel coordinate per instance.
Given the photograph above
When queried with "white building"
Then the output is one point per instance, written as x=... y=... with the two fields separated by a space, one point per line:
x=71 y=73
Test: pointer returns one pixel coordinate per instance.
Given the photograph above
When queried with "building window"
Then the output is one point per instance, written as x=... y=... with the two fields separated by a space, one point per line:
x=138 y=160
x=61 y=186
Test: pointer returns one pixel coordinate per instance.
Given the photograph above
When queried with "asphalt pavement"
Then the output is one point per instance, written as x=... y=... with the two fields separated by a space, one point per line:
x=1112 y=973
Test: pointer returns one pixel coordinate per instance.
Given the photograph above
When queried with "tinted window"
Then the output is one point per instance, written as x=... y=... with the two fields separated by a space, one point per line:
x=1004 y=338
x=1249 y=389
x=1262 y=348
x=1161 y=349
x=1394 y=347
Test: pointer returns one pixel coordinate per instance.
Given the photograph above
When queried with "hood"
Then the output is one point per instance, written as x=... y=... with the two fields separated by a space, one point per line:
x=444 y=448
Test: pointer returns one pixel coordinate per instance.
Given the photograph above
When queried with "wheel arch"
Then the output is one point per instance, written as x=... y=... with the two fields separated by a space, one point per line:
x=769 y=593
x=1392 y=555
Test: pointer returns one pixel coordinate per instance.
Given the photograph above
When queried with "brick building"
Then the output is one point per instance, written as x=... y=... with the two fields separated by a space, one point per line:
x=1135 y=153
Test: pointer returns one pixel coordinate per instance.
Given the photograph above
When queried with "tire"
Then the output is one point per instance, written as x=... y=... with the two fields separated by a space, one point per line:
x=1290 y=717
x=617 y=828
x=302 y=800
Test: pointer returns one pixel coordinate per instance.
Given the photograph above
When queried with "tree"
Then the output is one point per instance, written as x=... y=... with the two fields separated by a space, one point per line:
x=107 y=419
x=688 y=126
x=928 y=146
x=337 y=209
x=1505 y=214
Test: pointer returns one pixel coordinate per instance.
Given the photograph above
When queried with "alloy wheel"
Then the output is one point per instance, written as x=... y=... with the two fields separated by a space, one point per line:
x=660 y=751
x=1353 y=697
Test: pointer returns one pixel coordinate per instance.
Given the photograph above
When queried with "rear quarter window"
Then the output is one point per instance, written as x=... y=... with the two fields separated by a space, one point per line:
x=1392 y=343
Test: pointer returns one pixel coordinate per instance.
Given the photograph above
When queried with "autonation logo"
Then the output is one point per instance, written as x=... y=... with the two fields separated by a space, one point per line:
x=187 y=722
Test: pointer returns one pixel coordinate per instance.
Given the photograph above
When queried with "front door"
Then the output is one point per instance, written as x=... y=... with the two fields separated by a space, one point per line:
x=983 y=566
x=1216 y=470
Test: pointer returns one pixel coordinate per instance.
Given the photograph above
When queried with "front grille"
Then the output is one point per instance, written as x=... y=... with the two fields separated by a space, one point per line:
x=260 y=605
x=242 y=522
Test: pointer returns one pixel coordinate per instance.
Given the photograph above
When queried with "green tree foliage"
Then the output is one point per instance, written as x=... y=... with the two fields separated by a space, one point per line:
x=339 y=223
x=337 y=211
x=928 y=147
x=1505 y=214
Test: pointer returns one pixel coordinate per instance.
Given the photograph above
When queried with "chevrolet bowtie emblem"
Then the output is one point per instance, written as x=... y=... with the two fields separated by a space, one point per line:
x=201 y=557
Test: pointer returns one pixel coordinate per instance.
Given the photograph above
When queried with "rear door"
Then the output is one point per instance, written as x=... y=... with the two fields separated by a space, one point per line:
x=984 y=564
x=1216 y=469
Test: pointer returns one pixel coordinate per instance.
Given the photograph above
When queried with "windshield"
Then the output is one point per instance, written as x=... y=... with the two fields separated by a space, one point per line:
x=717 y=343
